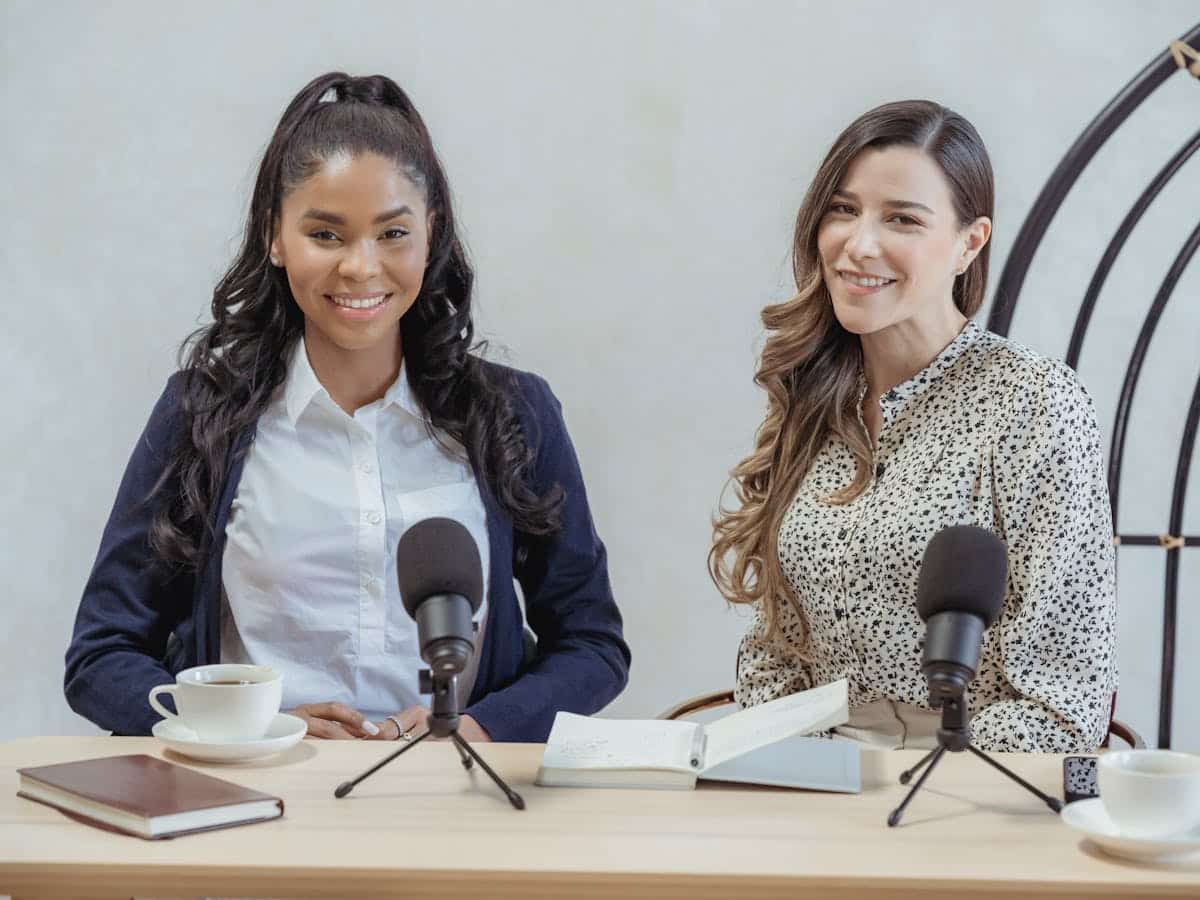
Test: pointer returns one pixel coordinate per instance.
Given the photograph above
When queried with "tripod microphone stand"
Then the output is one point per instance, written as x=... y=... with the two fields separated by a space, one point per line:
x=955 y=736
x=442 y=722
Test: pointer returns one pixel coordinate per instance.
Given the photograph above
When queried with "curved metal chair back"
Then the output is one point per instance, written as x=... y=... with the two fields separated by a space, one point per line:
x=1182 y=54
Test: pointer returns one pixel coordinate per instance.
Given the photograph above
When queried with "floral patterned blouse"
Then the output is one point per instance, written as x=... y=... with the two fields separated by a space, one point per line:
x=989 y=434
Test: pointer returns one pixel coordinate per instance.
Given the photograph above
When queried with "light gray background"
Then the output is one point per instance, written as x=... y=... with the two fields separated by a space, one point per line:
x=627 y=175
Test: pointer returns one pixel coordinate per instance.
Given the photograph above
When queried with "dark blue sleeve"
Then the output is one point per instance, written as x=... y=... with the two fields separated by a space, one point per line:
x=128 y=608
x=583 y=660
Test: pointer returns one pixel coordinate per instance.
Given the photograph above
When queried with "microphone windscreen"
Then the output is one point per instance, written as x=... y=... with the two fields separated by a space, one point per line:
x=965 y=569
x=438 y=556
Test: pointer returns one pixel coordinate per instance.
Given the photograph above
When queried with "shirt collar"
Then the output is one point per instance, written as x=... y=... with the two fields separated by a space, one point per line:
x=892 y=403
x=302 y=387
x=400 y=394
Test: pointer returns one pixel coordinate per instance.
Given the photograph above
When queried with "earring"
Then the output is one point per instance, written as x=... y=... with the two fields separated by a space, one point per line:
x=274 y=260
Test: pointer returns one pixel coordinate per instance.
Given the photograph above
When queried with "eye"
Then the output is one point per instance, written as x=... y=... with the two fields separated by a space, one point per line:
x=842 y=209
x=395 y=234
x=906 y=220
x=323 y=235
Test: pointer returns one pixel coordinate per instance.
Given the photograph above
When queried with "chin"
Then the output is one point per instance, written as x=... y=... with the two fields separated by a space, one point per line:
x=859 y=321
x=352 y=340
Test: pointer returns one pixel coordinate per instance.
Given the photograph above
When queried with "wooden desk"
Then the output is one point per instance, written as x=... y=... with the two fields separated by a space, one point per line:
x=424 y=827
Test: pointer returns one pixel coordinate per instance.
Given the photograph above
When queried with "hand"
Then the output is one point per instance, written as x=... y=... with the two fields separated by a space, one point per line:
x=414 y=724
x=335 y=721
x=414 y=719
x=473 y=731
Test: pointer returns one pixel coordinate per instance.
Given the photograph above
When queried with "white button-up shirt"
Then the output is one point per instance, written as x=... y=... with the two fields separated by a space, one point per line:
x=309 y=568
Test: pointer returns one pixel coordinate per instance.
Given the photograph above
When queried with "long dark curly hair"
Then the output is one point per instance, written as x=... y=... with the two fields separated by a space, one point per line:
x=233 y=366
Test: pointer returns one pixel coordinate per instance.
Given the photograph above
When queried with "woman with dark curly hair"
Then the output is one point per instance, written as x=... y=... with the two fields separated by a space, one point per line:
x=333 y=402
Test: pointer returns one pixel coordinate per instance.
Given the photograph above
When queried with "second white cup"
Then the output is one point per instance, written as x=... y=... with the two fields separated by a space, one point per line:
x=1150 y=793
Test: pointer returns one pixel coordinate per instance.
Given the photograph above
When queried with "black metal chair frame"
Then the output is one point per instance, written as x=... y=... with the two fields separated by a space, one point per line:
x=1182 y=54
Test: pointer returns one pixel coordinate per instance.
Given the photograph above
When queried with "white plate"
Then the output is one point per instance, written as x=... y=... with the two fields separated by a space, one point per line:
x=283 y=732
x=1090 y=817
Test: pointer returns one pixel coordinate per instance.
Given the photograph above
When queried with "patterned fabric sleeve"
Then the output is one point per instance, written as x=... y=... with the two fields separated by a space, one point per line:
x=1057 y=634
x=770 y=668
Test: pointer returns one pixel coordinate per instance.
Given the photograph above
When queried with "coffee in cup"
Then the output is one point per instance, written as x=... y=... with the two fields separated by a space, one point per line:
x=224 y=701
x=1151 y=793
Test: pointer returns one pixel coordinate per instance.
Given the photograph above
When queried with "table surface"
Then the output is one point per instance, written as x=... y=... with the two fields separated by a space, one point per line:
x=423 y=825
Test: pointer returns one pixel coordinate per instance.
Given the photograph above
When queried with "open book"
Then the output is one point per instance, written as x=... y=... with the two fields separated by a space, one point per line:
x=590 y=752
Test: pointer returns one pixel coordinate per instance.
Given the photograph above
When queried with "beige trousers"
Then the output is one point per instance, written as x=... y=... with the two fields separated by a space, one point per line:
x=888 y=725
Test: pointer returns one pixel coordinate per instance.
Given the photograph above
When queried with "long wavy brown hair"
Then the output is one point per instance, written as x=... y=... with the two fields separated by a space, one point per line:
x=810 y=366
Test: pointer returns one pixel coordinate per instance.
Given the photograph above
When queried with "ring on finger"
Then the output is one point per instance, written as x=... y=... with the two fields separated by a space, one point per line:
x=403 y=734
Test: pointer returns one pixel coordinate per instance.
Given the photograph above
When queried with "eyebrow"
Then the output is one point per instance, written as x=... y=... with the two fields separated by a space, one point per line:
x=334 y=219
x=893 y=204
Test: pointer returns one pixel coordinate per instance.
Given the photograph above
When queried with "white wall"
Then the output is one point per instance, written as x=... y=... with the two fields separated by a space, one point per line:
x=627 y=174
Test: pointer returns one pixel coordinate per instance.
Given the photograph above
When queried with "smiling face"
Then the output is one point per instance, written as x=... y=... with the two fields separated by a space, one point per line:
x=891 y=243
x=354 y=240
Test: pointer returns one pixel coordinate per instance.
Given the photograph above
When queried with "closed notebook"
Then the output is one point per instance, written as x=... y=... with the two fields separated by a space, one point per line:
x=145 y=796
x=759 y=745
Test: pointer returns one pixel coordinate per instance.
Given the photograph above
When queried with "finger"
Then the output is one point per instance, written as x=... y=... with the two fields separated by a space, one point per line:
x=299 y=713
x=354 y=721
x=384 y=731
x=333 y=731
x=411 y=723
x=414 y=718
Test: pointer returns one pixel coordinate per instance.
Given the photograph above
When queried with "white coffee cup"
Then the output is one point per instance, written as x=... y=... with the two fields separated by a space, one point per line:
x=223 y=702
x=1151 y=793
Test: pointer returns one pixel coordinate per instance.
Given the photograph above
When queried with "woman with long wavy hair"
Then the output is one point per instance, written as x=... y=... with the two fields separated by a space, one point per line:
x=892 y=415
x=336 y=399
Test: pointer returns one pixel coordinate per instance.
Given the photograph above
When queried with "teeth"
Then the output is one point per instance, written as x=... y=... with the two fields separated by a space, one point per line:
x=359 y=303
x=866 y=282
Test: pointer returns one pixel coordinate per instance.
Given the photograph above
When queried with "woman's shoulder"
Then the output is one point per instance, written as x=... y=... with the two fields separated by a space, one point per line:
x=1030 y=373
x=167 y=411
x=1029 y=392
x=526 y=386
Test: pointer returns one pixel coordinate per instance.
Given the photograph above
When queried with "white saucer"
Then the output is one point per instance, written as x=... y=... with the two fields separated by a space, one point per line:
x=283 y=732
x=1090 y=817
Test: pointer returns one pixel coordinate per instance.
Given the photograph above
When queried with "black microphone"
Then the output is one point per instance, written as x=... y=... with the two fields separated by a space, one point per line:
x=964 y=576
x=441 y=586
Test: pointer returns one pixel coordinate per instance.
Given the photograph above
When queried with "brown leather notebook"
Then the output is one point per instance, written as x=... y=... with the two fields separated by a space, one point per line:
x=145 y=796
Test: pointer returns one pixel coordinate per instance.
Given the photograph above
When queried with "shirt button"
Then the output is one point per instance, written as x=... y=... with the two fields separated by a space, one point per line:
x=367 y=468
x=375 y=587
x=374 y=518
x=842 y=535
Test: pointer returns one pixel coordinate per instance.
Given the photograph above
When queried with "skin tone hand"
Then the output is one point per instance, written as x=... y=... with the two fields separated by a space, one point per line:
x=414 y=722
x=336 y=721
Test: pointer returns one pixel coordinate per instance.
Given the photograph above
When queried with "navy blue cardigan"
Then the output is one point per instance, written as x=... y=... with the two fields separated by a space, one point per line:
x=136 y=627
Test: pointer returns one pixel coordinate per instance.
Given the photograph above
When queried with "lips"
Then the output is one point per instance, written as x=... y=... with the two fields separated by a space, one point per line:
x=358 y=301
x=863 y=280
x=359 y=307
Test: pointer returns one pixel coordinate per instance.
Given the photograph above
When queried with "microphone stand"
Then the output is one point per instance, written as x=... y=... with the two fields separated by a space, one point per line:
x=442 y=722
x=955 y=736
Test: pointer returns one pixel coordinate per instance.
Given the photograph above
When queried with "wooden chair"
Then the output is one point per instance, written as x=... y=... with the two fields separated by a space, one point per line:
x=717 y=699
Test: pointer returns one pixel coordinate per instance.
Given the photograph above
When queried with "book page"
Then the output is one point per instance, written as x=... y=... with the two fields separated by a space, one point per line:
x=802 y=713
x=582 y=742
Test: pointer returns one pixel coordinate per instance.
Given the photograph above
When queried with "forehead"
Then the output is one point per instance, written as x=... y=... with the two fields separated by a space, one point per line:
x=897 y=173
x=356 y=187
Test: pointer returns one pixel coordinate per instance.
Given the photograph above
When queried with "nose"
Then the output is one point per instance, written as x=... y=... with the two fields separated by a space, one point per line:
x=359 y=262
x=863 y=242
